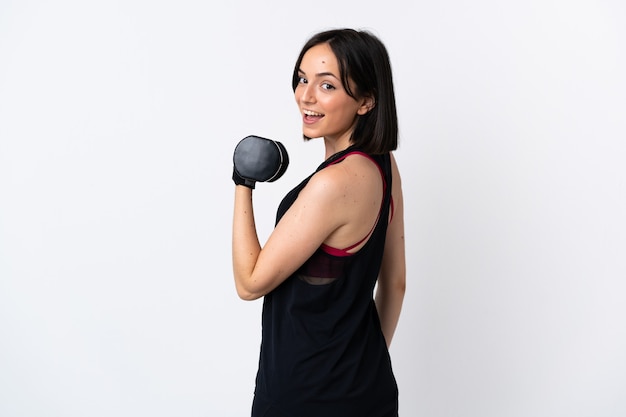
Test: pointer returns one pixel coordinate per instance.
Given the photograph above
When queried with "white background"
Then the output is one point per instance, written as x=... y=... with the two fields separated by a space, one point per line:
x=117 y=125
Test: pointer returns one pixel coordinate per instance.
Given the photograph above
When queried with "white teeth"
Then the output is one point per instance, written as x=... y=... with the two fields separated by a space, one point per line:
x=312 y=113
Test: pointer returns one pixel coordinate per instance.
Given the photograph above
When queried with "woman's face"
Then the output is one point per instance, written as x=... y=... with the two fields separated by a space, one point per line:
x=326 y=108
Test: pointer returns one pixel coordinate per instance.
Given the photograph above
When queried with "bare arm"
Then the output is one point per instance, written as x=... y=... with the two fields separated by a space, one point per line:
x=305 y=226
x=392 y=279
x=246 y=246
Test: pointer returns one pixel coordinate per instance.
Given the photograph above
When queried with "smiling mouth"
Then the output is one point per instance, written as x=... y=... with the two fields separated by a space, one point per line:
x=311 y=116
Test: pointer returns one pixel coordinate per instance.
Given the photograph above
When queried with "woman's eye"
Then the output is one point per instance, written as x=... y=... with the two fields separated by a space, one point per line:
x=302 y=80
x=327 y=86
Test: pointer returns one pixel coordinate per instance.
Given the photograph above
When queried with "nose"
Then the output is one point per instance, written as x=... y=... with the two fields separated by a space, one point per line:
x=307 y=93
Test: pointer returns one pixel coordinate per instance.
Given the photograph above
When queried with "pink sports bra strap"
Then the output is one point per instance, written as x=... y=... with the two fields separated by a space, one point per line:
x=345 y=251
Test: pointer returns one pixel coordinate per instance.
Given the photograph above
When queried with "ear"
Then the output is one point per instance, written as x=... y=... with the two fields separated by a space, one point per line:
x=368 y=103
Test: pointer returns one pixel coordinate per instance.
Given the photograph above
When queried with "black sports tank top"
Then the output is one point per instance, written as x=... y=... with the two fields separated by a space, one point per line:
x=322 y=351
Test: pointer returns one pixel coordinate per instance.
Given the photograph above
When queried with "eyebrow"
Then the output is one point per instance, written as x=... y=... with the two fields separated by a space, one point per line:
x=321 y=74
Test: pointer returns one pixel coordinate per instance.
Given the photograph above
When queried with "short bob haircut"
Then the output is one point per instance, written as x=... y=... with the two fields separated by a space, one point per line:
x=363 y=59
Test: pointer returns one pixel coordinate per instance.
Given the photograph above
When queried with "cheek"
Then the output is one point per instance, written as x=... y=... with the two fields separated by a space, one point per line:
x=329 y=103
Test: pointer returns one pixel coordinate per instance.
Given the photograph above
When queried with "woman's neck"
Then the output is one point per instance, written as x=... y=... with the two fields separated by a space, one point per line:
x=333 y=146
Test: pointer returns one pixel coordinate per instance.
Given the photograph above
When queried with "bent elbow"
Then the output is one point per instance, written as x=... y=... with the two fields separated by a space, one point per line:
x=247 y=294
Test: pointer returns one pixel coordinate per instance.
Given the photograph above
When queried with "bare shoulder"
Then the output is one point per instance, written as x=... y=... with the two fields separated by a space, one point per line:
x=394 y=169
x=355 y=174
x=327 y=185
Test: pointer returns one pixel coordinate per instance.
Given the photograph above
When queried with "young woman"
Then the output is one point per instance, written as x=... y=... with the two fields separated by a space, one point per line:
x=339 y=237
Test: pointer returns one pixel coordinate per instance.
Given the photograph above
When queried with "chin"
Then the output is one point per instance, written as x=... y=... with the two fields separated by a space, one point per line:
x=309 y=134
